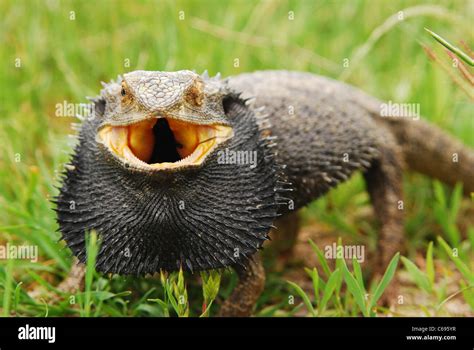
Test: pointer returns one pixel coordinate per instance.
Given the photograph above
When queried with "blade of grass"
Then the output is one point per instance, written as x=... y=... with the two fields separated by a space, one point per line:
x=470 y=236
x=303 y=296
x=321 y=259
x=315 y=279
x=92 y=250
x=387 y=277
x=465 y=271
x=328 y=290
x=468 y=293
x=355 y=289
x=420 y=279
x=16 y=296
x=452 y=48
x=430 y=271
x=455 y=201
x=358 y=273
x=8 y=287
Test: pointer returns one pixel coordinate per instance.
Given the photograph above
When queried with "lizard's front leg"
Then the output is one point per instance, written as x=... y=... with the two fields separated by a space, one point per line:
x=74 y=282
x=284 y=237
x=243 y=298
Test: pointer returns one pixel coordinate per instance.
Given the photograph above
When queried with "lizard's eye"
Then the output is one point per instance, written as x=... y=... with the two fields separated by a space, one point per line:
x=123 y=92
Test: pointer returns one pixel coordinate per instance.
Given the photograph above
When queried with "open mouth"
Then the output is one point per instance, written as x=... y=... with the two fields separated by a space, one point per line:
x=164 y=143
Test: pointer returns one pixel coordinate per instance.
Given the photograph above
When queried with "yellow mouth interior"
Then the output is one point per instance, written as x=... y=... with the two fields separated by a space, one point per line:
x=164 y=143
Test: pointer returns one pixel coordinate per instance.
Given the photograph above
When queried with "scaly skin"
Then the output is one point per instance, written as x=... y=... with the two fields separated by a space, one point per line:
x=325 y=131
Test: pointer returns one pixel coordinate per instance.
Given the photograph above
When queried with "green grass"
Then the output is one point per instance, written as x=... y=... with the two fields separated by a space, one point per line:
x=64 y=60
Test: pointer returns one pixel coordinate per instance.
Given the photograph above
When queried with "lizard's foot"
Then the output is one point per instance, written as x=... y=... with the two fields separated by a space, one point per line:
x=243 y=298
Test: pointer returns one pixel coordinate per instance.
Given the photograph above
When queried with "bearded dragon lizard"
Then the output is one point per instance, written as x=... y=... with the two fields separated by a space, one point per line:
x=149 y=173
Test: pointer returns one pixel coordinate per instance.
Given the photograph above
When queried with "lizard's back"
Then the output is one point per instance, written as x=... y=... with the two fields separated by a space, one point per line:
x=324 y=128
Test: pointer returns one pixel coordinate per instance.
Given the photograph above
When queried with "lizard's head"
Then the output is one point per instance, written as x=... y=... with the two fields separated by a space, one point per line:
x=163 y=120
x=175 y=170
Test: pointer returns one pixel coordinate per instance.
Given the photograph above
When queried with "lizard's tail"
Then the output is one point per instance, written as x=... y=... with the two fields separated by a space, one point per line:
x=433 y=152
